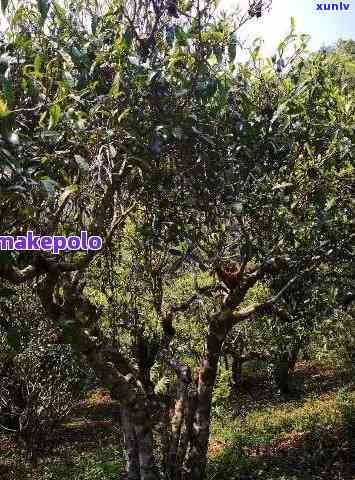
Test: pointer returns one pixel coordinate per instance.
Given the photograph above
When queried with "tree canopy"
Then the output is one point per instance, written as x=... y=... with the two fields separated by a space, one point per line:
x=210 y=181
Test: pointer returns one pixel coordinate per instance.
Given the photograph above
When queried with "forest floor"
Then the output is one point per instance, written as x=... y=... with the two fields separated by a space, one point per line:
x=306 y=436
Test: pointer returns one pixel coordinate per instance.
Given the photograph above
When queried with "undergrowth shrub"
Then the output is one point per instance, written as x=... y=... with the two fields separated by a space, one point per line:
x=40 y=379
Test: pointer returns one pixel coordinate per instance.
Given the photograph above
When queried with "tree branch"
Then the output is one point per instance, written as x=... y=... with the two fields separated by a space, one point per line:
x=43 y=264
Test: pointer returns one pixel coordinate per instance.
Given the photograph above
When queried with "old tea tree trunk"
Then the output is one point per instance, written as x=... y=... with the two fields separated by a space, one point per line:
x=188 y=437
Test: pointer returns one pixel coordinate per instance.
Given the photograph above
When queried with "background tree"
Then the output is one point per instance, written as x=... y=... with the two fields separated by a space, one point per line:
x=195 y=171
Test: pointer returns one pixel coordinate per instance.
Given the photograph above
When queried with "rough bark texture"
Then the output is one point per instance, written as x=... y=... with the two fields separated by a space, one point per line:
x=176 y=429
x=144 y=434
x=111 y=368
x=281 y=374
x=130 y=445
x=292 y=358
x=237 y=370
x=220 y=325
x=77 y=319
x=195 y=464
x=187 y=433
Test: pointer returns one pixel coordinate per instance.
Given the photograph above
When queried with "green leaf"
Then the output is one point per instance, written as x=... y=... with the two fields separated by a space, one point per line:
x=65 y=322
x=134 y=61
x=38 y=62
x=237 y=208
x=94 y=23
x=211 y=88
x=4 y=4
x=177 y=132
x=281 y=48
x=181 y=36
x=59 y=13
x=41 y=118
x=232 y=52
x=77 y=56
x=43 y=8
x=256 y=53
x=9 y=93
x=330 y=203
x=54 y=113
x=232 y=49
x=293 y=24
x=212 y=59
x=283 y=185
x=67 y=191
x=7 y=292
x=153 y=74
x=82 y=163
x=123 y=115
x=49 y=184
x=4 y=111
x=69 y=79
x=280 y=110
x=181 y=93
x=14 y=340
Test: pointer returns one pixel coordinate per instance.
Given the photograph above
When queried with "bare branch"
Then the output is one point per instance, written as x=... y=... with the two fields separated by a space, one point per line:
x=257 y=308
x=16 y=275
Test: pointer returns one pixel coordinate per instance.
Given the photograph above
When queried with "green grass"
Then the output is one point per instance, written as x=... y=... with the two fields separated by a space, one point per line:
x=104 y=463
x=307 y=437
x=298 y=440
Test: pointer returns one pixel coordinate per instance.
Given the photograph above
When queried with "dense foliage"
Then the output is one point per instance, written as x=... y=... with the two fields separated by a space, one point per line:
x=223 y=192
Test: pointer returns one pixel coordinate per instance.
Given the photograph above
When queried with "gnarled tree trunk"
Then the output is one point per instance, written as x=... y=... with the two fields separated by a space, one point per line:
x=130 y=445
x=292 y=358
x=127 y=384
x=196 y=459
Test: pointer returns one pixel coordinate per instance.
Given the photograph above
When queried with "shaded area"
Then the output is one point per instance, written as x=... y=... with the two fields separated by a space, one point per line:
x=307 y=436
x=315 y=378
x=85 y=447
x=303 y=437
x=320 y=454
